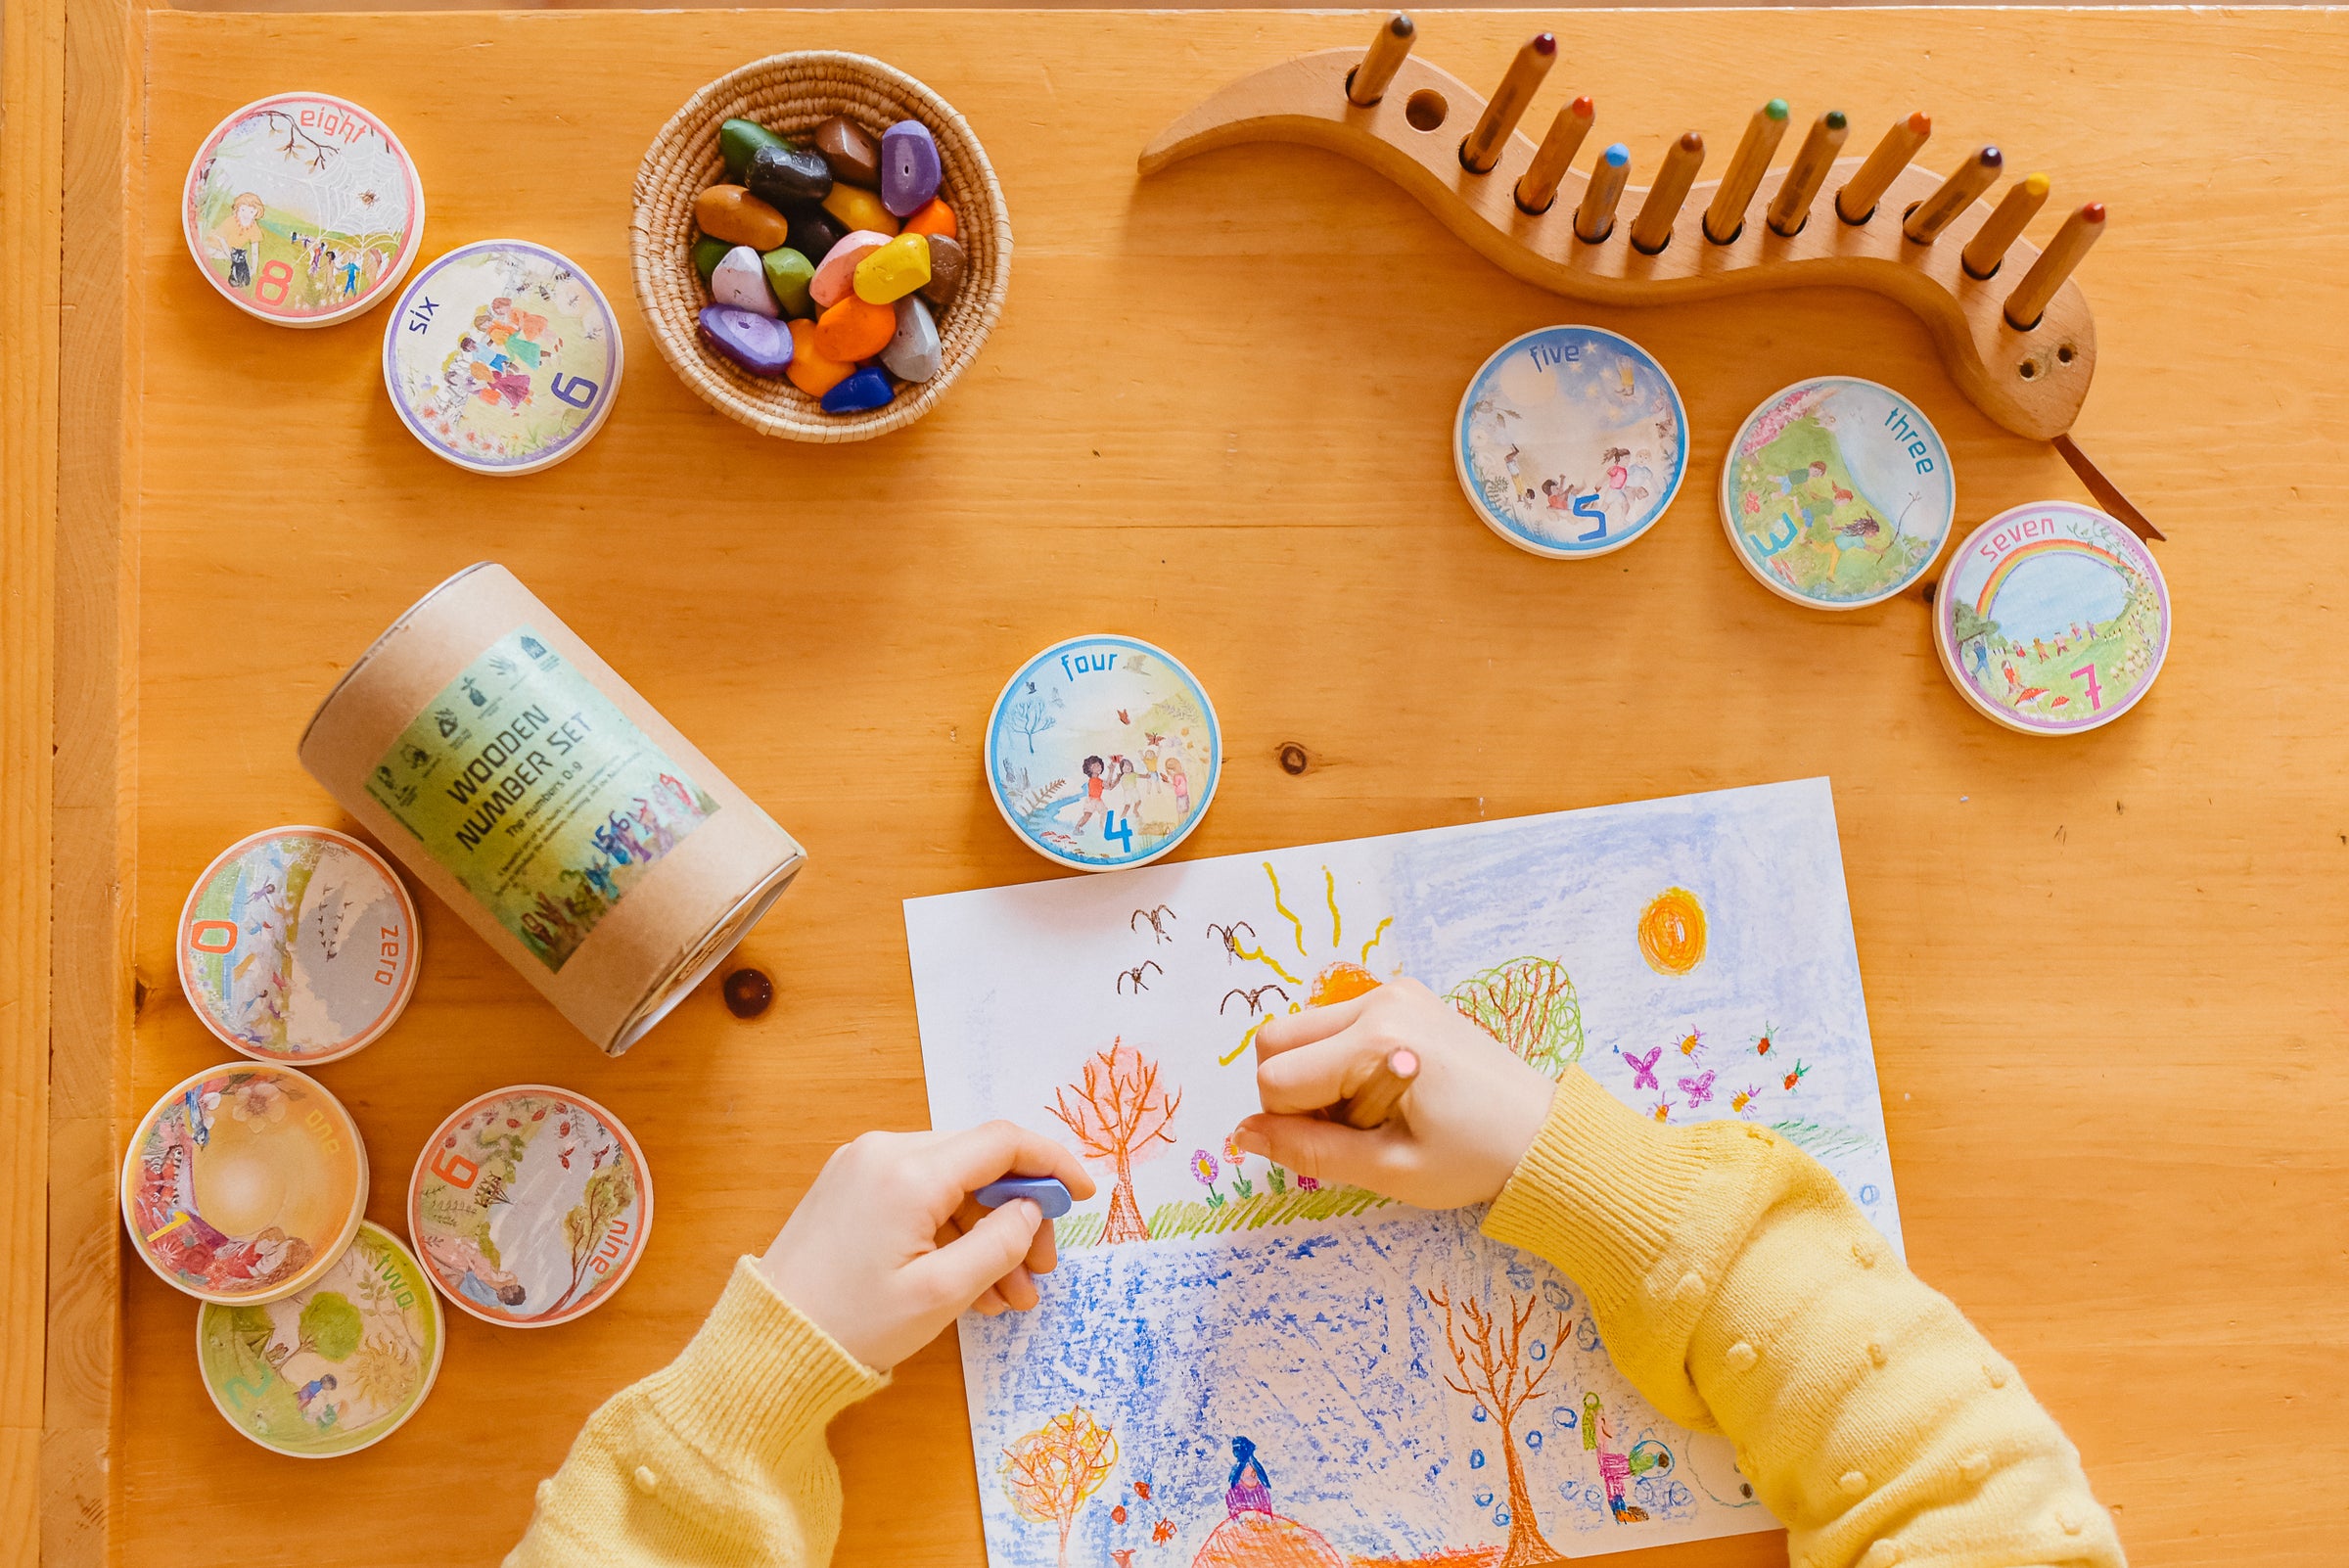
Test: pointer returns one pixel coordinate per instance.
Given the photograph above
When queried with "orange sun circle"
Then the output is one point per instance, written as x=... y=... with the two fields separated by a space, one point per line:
x=1672 y=932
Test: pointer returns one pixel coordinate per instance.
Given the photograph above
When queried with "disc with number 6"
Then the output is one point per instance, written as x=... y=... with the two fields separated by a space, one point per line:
x=503 y=358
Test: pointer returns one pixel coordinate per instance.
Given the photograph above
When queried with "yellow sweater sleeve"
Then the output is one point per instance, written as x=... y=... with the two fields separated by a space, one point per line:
x=716 y=1460
x=1741 y=1292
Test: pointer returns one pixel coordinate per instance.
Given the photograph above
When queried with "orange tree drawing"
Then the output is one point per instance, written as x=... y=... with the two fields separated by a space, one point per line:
x=1051 y=1471
x=1491 y=1358
x=1120 y=1113
x=1528 y=1005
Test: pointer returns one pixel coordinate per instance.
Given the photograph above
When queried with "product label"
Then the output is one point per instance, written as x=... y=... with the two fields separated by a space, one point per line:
x=531 y=789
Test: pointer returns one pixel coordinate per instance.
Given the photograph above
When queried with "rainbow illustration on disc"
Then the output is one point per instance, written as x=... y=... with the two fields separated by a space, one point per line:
x=1569 y=441
x=2051 y=619
x=1837 y=492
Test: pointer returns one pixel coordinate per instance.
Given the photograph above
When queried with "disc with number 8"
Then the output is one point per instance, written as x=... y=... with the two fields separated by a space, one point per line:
x=303 y=209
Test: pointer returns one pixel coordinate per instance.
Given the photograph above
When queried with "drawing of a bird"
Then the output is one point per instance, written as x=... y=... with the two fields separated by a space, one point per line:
x=1135 y=975
x=1230 y=936
x=1158 y=931
x=1249 y=997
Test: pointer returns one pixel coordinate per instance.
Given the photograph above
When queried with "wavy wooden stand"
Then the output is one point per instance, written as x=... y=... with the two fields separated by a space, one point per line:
x=2032 y=383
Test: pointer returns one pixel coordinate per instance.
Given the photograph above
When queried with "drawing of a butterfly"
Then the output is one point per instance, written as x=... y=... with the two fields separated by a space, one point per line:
x=1644 y=1068
x=1699 y=1088
x=1121 y=718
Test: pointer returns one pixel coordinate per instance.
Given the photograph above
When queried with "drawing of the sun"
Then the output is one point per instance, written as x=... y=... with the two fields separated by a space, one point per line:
x=1672 y=932
x=1338 y=979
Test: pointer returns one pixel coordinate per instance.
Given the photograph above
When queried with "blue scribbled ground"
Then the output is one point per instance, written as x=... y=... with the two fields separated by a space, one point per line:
x=1290 y=1338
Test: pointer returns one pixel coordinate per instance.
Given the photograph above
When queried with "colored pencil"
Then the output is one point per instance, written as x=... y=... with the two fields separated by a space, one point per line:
x=1857 y=202
x=1367 y=82
x=1595 y=219
x=1652 y=230
x=1540 y=185
x=1790 y=210
x=2004 y=225
x=1725 y=217
x=1482 y=149
x=1969 y=181
x=1374 y=1102
x=2029 y=302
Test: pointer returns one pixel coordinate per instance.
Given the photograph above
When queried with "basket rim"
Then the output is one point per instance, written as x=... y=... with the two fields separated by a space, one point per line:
x=685 y=357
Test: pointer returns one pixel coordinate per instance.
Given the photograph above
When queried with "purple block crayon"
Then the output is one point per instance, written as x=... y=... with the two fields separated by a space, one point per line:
x=1046 y=1193
x=757 y=345
x=909 y=167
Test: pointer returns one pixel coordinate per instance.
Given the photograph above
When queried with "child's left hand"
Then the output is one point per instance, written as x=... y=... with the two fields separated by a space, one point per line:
x=887 y=1248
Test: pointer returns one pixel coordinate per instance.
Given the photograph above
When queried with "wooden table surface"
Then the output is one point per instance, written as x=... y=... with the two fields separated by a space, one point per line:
x=2106 y=973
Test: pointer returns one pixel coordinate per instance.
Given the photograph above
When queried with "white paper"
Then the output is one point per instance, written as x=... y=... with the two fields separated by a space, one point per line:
x=1309 y=1326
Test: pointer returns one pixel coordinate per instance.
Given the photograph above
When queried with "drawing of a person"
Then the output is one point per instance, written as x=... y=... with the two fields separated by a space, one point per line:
x=236 y=240
x=476 y=1277
x=1176 y=780
x=1094 y=790
x=311 y=1390
x=1251 y=1489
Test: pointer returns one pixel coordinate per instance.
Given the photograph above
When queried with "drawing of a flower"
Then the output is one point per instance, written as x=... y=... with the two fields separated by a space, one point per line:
x=1204 y=1166
x=1278 y=1179
x=1234 y=1153
x=261 y=1103
x=1305 y=1183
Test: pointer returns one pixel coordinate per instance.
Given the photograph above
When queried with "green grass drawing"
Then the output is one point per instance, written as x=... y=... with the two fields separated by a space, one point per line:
x=1172 y=1222
x=1820 y=1141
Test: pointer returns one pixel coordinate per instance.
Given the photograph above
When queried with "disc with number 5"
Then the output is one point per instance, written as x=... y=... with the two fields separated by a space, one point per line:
x=502 y=356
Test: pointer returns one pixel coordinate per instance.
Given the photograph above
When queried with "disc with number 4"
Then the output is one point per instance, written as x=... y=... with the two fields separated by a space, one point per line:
x=503 y=358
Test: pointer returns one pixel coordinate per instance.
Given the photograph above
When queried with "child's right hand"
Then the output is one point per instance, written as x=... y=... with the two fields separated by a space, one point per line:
x=1460 y=1132
x=888 y=1247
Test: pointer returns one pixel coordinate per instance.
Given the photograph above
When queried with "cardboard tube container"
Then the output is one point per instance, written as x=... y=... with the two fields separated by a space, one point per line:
x=515 y=774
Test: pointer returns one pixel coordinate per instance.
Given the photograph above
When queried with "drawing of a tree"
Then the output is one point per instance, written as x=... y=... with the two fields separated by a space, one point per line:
x=1528 y=1005
x=1050 y=1472
x=330 y=1326
x=1119 y=1113
x=609 y=1193
x=1492 y=1358
x=1970 y=623
x=1029 y=717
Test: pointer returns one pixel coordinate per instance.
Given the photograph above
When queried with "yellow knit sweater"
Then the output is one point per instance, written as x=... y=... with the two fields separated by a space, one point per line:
x=1732 y=1280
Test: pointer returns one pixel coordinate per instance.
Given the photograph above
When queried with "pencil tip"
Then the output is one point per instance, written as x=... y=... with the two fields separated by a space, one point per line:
x=1584 y=108
x=1992 y=157
x=1691 y=142
x=1775 y=108
x=1921 y=123
x=1546 y=43
x=2093 y=212
x=2037 y=184
x=1835 y=120
x=1402 y=26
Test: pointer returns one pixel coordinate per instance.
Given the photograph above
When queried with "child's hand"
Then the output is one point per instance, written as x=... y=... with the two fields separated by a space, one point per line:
x=1463 y=1123
x=887 y=1249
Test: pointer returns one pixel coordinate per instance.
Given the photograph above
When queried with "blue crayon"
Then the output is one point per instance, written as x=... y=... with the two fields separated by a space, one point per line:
x=1050 y=1195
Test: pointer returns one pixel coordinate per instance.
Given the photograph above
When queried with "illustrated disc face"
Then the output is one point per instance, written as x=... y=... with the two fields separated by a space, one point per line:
x=529 y=1206
x=2053 y=618
x=1837 y=492
x=244 y=1184
x=1103 y=752
x=298 y=945
x=1571 y=441
x=337 y=1366
x=502 y=356
x=302 y=209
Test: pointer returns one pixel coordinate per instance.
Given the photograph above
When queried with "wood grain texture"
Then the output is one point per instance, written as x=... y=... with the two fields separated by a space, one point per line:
x=96 y=734
x=32 y=54
x=2106 y=973
x=2031 y=382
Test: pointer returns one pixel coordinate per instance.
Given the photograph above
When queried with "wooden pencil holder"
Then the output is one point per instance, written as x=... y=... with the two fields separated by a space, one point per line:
x=2031 y=382
x=790 y=94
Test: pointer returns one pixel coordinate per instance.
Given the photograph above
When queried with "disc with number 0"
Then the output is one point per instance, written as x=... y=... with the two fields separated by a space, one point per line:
x=502 y=356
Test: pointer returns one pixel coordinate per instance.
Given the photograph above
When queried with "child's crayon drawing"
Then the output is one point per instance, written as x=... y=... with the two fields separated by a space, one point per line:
x=1235 y=1366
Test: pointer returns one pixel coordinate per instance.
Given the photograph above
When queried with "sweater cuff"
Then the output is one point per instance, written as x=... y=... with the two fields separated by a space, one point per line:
x=1599 y=1194
x=760 y=1370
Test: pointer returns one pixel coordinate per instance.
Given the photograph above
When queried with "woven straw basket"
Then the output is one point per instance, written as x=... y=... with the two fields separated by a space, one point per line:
x=791 y=94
